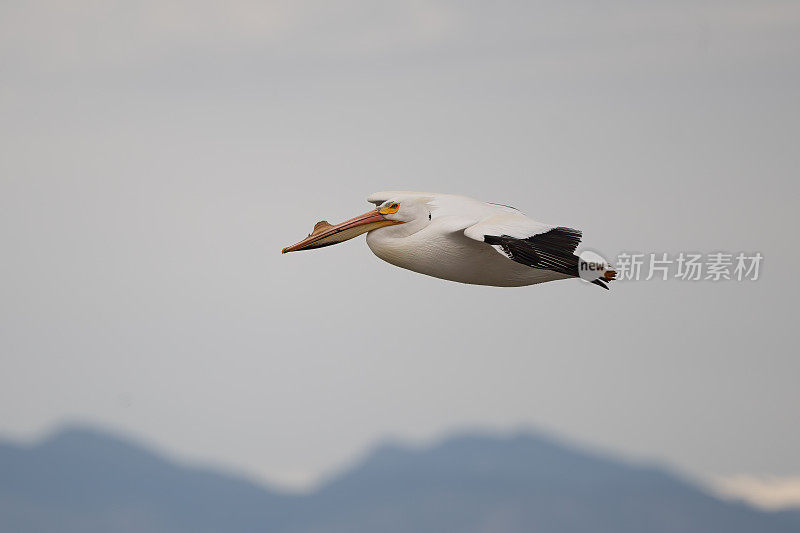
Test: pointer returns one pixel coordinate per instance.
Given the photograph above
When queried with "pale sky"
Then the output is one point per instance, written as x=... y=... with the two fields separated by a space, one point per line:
x=157 y=156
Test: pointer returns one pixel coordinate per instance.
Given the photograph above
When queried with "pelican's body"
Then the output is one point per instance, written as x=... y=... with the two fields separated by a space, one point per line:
x=456 y=258
x=459 y=239
x=442 y=250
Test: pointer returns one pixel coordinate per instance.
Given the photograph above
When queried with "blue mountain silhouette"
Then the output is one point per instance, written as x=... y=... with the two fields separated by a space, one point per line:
x=82 y=480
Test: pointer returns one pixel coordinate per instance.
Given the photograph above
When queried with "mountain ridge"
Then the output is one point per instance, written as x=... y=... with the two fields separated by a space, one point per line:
x=83 y=479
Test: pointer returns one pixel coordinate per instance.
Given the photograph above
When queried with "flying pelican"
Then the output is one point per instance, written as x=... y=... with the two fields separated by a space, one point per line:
x=461 y=239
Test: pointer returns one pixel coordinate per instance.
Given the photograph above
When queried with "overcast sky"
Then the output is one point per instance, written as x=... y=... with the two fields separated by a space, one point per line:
x=157 y=156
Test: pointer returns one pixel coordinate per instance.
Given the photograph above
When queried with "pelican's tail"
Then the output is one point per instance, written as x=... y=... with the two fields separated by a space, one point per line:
x=608 y=275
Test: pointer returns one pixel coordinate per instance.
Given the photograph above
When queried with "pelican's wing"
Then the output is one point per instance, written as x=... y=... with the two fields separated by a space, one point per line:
x=531 y=243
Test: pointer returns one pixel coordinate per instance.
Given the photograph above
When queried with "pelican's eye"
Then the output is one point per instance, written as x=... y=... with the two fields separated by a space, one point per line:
x=389 y=209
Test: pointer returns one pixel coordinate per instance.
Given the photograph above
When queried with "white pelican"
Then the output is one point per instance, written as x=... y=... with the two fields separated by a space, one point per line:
x=460 y=239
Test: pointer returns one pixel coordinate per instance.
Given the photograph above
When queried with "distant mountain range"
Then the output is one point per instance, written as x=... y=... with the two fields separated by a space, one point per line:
x=85 y=481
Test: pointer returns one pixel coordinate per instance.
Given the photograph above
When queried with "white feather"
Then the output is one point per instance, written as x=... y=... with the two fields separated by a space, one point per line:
x=450 y=243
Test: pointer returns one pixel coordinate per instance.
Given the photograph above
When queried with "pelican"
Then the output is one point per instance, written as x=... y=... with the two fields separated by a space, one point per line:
x=461 y=239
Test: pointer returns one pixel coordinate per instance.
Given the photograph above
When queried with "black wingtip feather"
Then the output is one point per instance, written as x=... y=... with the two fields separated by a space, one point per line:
x=552 y=250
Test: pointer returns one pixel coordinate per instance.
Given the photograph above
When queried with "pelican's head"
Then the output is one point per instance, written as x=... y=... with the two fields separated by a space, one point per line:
x=392 y=209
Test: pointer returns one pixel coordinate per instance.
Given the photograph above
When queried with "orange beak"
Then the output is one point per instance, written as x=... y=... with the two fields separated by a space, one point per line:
x=325 y=235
